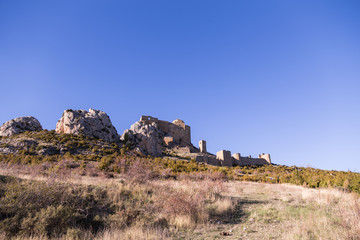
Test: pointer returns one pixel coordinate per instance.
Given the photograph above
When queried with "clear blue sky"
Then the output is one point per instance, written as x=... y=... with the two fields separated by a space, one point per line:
x=280 y=77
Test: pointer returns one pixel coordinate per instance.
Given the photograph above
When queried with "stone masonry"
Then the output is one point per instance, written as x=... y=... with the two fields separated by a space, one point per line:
x=176 y=132
x=202 y=146
x=224 y=158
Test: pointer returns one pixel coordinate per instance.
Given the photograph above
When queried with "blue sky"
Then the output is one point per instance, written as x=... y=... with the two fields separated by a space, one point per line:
x=280 y=77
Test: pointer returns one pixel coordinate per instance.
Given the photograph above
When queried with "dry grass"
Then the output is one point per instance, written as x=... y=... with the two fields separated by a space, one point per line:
x=200 y=207
x=222 y=206
x=133 y=233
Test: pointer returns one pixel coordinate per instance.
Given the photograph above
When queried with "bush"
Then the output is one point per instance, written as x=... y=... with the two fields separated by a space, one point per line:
x=28 y=208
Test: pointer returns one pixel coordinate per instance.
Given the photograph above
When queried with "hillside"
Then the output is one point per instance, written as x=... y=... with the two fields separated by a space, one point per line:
x=72 y=186
x=82 y=153
x=133 y=206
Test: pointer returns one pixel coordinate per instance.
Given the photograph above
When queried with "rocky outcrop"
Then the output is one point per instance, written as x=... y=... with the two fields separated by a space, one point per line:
x=92 y=123
x=147 y=137
x=19 y=125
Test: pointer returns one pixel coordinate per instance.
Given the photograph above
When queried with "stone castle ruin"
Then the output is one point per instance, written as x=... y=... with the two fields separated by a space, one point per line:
x=176 y=133
x=177 y=137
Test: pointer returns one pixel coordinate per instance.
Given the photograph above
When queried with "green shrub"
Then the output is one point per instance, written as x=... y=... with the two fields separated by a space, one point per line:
x=106 y=162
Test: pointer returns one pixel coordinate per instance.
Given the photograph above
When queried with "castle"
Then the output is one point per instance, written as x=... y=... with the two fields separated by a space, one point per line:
x=177 y=136
x=177 y=133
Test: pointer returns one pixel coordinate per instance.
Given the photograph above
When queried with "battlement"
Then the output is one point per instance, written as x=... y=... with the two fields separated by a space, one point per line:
x=266 y=157
x=148 y=119
x=179 y=123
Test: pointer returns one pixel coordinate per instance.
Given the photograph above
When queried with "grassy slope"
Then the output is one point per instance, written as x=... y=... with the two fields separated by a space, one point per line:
x=135 y=197
x=124 y=208
x=85 y=151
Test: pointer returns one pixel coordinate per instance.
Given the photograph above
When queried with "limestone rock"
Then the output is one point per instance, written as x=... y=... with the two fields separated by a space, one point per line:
x=147 y=137
x=19 y=125
x=92 y=123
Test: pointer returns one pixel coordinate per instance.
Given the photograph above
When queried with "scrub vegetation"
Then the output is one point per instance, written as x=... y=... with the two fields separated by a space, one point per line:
x=126 y=206
x=88 y=189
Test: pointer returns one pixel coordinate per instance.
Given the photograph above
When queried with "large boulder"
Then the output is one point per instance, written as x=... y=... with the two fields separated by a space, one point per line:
x=19 y=125
x=92 y=123
x=147 y=137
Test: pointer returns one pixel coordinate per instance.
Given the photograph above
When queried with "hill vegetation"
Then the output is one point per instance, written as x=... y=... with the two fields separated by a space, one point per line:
x=81 y=151
x=62 y=186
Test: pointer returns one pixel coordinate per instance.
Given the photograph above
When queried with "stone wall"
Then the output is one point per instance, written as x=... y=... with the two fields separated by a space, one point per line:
x=236 y=156
x=266 y=157
x=208 y=159
x=177 y=135
x=225 y=158
x=180 y=132
x=251 y=161
x=202 y=146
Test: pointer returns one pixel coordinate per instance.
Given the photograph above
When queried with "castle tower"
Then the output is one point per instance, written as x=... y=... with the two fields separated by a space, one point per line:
x=236 y=156
x=225 y=157
x=266 y=157
x=202 y=146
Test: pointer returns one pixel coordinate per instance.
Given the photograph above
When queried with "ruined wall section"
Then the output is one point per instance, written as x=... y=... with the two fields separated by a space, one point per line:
x=266 y=157
x=225 y=158
x=180 y=135
x=176 y=133
x=177 y=136
x=187 y=134
x=148 y=119
x=245 y=161
x=208 y=159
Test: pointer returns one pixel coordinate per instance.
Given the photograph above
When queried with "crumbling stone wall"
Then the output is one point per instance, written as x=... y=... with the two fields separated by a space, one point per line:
x=224 y=158
x=244 y=161
x=211 y=160
x=180 y=133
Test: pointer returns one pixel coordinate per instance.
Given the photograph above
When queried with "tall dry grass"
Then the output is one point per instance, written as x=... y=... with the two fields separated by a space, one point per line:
x=149 y=207
x=318 y=213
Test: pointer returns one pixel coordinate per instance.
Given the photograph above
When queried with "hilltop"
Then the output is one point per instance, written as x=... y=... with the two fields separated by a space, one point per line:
x=149 y=136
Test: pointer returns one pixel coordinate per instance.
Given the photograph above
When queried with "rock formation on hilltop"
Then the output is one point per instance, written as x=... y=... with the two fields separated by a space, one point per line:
x=92 y=123
x=148 y=137
x=19 y=125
